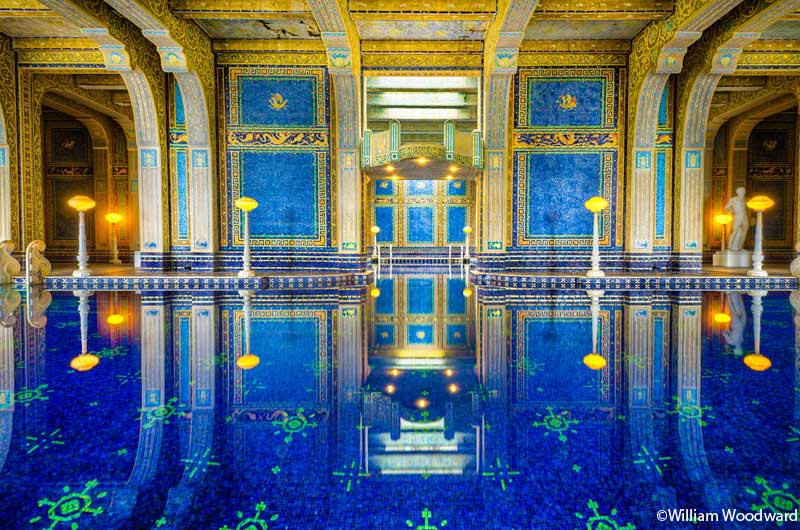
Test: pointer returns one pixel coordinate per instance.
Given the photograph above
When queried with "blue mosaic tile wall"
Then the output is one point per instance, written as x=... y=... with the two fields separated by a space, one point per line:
x=567 y=147
x=277 y=151
x=178 y=170
x=664 y=152
x=421 y=213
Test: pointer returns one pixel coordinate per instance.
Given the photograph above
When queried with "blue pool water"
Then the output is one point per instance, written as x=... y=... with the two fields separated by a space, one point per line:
x=419 y=408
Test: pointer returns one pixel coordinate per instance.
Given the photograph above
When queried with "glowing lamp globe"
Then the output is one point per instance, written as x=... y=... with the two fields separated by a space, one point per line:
x=115 y=319
x=113 y=217
x=452 y=388
x=84 y=362
x=82 y=203
x=449 y=372
x=596 y=204
x=248 y=362
x=594 y=361
x=760 y=203
x=422 y=403
x=246 y=204
x=757 y=362
x=467 y=292
x=722 y=318
x=453 y=168
x=374 y=292
x=389 y=168
x=467 y=230
x=375 y=229
x=723 y=218
x=390 y=388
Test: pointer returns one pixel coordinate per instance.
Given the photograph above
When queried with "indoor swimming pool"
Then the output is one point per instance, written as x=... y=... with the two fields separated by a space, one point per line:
x=419 y=401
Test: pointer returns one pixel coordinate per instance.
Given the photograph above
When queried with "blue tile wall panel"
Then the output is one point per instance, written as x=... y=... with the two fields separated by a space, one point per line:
x=277 y=100
x=456 y=220
x=182 y=179
x=419 y=187
x=180 y=118
x=422 y=300
x=661 y=190
x=384 y=219
x=384 y=305
x=546 y=106
x=457 y=188
x=384 y=334
x=420 y=224
x=456 y=304
x=456 y=334
x=420 y=334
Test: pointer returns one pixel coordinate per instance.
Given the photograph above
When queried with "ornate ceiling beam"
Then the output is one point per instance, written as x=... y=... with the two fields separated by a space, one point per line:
x=605 y=9
x=241 y=9
x=501 y=51
x=342 y=44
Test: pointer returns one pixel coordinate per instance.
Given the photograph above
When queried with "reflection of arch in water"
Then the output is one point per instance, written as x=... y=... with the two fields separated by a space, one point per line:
x=198 y=456
x=688 y=410
x=9 y=302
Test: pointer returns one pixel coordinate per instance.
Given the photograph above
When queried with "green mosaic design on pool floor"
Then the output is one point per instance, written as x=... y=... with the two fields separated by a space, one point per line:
x=794 y=434
x=292 y=424
x=198 y=463
x=256 y=522
x=44 y=441
x=602 y=522
x=651 y=461
x=501 y=472
x=774 y=500
x=559 y=423
x=26 y=396
x=426 y=525
x=350 y=475
x=110 y=353
x=70 y=507
x=161 y=414
x=688 y=413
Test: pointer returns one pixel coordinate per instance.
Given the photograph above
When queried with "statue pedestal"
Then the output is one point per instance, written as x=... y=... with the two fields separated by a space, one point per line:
x=732 y=258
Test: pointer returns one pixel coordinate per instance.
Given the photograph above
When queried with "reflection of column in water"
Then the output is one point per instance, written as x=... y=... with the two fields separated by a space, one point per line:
x=9 y=302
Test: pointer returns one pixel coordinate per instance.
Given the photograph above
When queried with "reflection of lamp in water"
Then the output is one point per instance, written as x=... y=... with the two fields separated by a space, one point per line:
x=467 y=232
x=422 y=403
x=394 y=372
x=248 y=361
x=449 y=372
x=115 y=319
x=85 y=361
x=593 y=360
x=247 y=205
x=755 y=361
x=722 y=318
x=83 y=204
x=467 y=292
x=375 y=229
x=595 y=205
x=452 y=388
x=113 y=219
x=374 y=292
x=758 y=203
x=723 y=219
x=390 y=388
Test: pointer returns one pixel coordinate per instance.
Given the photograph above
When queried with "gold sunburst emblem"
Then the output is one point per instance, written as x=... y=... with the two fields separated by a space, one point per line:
x=277 y=102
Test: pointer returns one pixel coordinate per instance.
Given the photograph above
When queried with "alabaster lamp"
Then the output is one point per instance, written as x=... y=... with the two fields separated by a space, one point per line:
x=596 y=205
x=113 y=219
x=759 y=203
x=375 y=229
x=467 y=232
x=723 y=219
x=82 y=204
x=247 y=205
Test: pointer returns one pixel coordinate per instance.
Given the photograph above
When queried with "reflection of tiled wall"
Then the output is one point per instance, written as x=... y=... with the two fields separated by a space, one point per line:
x=277 y=151
x=68 y=172
x=567 y=145
x=770 y=172
x=294 y=346
x=547 y=349
x=421 y=212
x=419 y=313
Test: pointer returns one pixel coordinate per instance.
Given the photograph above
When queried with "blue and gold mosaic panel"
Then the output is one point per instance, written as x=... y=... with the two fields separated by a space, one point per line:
x=277 y=97
x=456 y=221
x=292 y=189
x=566 y=98
x=384 y=219
x=551 y=190
x=384 y=305
x=420 y=334
x=424 y=299
x=548 y=356
x=420 y=221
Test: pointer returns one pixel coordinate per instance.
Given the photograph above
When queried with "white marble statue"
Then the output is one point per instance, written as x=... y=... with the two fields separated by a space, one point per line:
x=794 y=266
x=734 y=335
x=741 y=223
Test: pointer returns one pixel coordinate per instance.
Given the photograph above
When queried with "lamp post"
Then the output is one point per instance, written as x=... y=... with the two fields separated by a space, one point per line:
x=114 y=218
x=375 y=229
x=759 y=203
x=593 y=360
x=247 y=205
x=467 y=232
x=83 y=204
x=596 y=205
